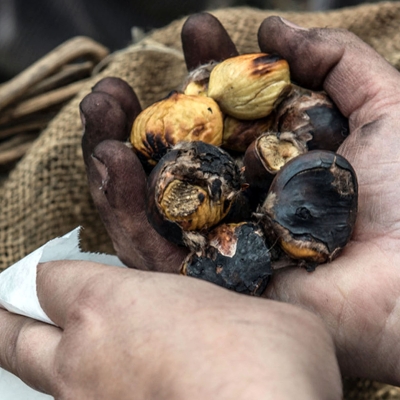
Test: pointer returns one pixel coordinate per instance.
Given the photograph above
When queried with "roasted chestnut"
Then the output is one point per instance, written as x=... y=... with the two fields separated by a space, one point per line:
x=311 y=207
x=177 y=118
x=197 y=80
x=313 y=118
x=267 y=155
x=236 y=257
x=190 y=190
x=250 y=85
x=238 y=134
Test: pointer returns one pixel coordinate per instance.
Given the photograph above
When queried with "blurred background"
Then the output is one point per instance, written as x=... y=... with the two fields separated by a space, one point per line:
x=30 y=29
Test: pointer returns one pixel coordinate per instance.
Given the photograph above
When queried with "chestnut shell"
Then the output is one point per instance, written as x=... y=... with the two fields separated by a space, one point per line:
x=312 y=204
x=245 y=270
x=313 y=118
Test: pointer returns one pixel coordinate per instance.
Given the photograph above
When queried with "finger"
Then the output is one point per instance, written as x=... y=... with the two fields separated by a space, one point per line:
x=204 y=39
x=336 y=60
x=118 y=186
x=28 y=349
x=102 y=118
x=123 y=93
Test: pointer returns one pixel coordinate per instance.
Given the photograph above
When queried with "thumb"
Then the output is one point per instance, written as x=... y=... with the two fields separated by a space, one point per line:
x=350 y=71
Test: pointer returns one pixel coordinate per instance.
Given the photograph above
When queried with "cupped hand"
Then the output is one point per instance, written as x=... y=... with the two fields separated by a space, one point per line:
x=117 y=181
x=127 y=334
x=358 y=294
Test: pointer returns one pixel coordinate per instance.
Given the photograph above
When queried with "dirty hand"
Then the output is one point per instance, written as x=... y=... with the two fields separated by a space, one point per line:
x=357 y=294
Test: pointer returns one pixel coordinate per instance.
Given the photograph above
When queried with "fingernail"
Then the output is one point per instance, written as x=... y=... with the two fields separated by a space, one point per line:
x=292 y=25
x=102 y=173
x=83 y=118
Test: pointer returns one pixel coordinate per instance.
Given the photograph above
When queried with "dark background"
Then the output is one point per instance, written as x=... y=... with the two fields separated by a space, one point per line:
x=31 y=28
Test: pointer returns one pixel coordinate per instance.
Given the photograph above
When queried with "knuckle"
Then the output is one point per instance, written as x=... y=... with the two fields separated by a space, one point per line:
x=18 y=349
x=87 y=304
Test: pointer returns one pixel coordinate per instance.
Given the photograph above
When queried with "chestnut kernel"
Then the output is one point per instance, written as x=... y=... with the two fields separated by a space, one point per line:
x=267 y=155
x=311 y=206
x=236 y=257
x=250 y=85
x=197 y=80
x=177 y=118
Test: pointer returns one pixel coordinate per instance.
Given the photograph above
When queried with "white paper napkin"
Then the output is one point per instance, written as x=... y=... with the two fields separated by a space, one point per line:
x=18 y=295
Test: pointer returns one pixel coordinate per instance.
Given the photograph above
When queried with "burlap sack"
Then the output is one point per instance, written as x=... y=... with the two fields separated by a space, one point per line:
x=46 y=195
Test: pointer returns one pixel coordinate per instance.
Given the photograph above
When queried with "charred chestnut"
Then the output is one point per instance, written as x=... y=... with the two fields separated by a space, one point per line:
x=313 y=118
x=236 y=257
x=190 y=190
x=311 y=206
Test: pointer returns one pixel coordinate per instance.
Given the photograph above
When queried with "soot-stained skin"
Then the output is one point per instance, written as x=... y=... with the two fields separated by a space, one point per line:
x=197 y=163
x=246 y=271
x=312 y=202
x=197 y=46
x=123 y=93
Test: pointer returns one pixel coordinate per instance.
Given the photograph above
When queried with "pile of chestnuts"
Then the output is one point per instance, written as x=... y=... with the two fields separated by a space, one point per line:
x=243 y=172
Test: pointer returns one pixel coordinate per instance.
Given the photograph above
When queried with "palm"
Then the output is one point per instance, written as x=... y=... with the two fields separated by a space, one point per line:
x=356 y=294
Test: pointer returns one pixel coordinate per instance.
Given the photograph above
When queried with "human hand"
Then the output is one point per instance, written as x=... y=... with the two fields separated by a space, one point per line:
x=126 y=334
x=356 y=295
x=107 y=115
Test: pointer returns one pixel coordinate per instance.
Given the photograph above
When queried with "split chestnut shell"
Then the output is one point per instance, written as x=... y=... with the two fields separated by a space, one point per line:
x=313 y=118
x=190 y=190
x=267 y=155
x=311 y=206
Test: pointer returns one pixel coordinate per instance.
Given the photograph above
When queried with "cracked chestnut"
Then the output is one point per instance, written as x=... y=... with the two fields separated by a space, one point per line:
x=313 y=118
x=191 y=190
x=238 y=134
x=267 y=155
x=197 y=80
